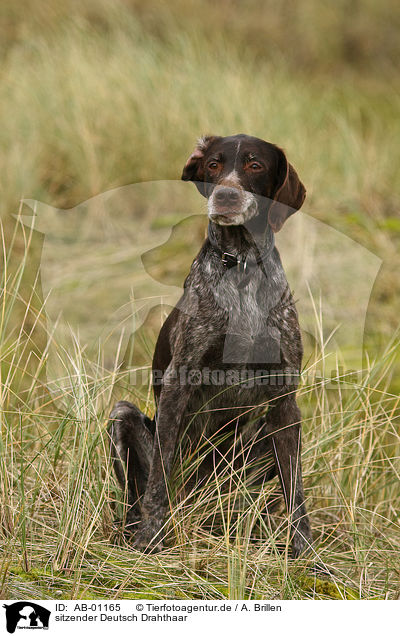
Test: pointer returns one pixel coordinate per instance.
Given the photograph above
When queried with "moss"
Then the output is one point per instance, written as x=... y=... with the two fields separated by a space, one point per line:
x=328 y=589
x=34 y=574
x=49 y=582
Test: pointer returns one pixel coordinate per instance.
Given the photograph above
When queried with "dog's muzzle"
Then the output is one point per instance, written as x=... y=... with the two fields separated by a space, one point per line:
x=231 y=206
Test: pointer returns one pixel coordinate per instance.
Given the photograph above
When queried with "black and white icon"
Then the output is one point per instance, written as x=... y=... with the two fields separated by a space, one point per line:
x=26 y=615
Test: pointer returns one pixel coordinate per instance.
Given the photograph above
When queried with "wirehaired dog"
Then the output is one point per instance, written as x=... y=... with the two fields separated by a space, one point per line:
x=236 y=319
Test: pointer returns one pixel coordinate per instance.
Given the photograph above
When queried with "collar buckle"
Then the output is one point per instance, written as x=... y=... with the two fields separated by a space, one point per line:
x=230 y=260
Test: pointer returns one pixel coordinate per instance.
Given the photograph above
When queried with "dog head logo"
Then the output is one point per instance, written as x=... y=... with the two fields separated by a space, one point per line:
x=26 y=615
x=99 y=283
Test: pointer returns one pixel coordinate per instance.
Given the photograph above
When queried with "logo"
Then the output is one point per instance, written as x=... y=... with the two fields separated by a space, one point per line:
x=104 y=267
x=26 y=615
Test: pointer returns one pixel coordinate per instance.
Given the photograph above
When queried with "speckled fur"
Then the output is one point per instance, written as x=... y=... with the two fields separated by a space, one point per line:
x=242 y=322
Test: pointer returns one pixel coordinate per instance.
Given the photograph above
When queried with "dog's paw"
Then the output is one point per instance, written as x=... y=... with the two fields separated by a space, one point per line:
x=148 y=538
x=146 y=547
x=300 y=549
x=301 y=544
x=129 y=530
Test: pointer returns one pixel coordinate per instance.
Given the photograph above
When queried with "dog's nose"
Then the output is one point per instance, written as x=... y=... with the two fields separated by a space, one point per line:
x=227 y=196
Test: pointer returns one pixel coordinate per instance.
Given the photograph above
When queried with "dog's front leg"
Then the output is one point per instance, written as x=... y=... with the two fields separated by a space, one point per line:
x=283 y=420
x=171 y=408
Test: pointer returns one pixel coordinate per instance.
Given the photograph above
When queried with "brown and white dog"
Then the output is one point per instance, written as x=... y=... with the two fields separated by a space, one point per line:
x=236 y=316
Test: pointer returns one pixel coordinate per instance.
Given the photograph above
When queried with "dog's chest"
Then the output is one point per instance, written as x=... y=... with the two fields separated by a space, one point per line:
x=248 y=310
x=236 y=332
x=234 y=339
x=243 y=306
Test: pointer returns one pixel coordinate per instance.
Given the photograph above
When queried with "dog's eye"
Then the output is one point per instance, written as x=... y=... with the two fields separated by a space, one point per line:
x=255 y=166
x=213 y=165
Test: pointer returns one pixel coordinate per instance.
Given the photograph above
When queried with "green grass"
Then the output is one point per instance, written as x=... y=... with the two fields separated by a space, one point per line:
x=60 y=502
x=101 y=96
x=95 y=98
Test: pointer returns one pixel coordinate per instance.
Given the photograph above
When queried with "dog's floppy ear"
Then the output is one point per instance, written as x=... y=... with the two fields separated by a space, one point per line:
x=194 y=167
x=289 y=194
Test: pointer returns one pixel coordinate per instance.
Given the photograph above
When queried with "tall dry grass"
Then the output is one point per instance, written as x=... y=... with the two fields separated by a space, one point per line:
x=96 y=96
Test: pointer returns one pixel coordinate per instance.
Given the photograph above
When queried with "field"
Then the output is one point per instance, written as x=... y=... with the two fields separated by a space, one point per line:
x=99 y=96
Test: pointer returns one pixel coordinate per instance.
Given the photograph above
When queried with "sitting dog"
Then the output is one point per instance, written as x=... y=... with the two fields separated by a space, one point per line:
x=236 y=316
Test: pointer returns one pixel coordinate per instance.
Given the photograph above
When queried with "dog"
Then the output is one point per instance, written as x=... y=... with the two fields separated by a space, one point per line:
x=236 y=316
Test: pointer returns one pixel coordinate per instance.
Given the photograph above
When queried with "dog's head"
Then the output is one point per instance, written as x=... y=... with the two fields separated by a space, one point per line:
x=243 y=177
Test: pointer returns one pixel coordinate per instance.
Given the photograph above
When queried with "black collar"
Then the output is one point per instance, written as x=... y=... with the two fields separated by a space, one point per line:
x=235 y=260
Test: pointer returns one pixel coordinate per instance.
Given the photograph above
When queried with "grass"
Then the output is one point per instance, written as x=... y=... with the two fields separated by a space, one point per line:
x=96 y=97
x=89 y=105
x=59 y=537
